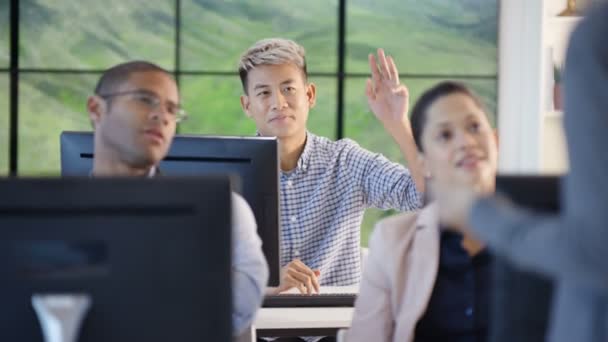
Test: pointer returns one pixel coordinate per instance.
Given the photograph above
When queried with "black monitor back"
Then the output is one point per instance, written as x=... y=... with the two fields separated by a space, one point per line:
x=522 y=299
x=253 y=159
x=153 y=255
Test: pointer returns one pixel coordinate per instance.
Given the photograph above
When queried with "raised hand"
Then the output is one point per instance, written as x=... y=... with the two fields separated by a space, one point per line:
x=389 y=100
x=386 y=96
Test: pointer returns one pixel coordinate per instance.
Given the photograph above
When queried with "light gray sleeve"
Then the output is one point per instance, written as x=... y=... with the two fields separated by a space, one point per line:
x=573 y=245
x=249 y=267
x=558 y=245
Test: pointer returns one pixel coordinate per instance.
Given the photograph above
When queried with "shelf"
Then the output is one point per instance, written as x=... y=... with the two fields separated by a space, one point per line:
x=556 y=35
x=554 y=114
x=564 y=23
x=565 y=20
x=562 y=26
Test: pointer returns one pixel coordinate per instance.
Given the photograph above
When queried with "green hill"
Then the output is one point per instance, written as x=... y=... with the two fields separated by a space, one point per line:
x=435 y=37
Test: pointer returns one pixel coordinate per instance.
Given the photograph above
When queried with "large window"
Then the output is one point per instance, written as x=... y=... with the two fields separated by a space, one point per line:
x=48 y=105
x=215 y=32
x=64 y=46
x=95 y=34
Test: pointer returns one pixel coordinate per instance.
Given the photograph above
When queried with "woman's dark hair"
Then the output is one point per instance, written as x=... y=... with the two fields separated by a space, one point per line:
x=419 y=112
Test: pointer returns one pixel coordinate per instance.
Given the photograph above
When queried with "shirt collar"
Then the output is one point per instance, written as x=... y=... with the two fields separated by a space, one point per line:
x=304 y=159
x=154 y=171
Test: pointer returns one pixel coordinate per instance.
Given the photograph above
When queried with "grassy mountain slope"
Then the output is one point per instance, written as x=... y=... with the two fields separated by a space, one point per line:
x=426 y=37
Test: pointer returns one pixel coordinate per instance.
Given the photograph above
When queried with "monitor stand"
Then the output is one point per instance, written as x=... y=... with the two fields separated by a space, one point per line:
x=61 y=315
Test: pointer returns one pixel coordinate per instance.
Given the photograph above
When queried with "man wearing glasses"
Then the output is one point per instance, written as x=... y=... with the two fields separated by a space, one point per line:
x=134 y=112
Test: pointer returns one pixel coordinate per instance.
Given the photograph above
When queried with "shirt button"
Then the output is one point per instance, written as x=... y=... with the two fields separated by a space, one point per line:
x=469 y=312
x=289 y=184
x=293 y=218
x=296 y=253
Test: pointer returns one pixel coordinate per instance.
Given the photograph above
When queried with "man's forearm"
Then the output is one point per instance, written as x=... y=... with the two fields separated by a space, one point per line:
x=402 y=134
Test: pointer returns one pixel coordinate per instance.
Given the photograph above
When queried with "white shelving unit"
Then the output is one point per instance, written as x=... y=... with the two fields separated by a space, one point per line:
x=556 y=34
x=532 y=40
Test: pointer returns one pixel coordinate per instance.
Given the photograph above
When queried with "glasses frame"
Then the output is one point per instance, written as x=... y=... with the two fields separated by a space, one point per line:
x=180 y=115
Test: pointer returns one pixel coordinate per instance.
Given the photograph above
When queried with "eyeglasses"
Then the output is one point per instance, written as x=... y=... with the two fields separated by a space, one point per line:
x=151 y=102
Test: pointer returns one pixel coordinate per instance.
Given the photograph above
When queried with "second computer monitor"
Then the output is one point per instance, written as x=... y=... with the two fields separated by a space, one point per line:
x=253 y=159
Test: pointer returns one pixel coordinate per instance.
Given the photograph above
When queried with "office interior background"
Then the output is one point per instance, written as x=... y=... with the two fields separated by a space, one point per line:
x=64 y=46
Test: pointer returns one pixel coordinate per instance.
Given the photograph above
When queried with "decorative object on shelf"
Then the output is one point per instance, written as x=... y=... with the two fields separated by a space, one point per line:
x=557 y=88
x=570 y=10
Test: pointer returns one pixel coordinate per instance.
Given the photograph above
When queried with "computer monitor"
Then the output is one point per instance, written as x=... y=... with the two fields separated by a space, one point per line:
x=522 y=299
x=154 y=256
x=253 y=159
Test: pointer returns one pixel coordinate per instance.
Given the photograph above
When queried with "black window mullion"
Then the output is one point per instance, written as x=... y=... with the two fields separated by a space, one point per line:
x=14 y=87
x=341 y=73
x=177 y=43
x=177 y=46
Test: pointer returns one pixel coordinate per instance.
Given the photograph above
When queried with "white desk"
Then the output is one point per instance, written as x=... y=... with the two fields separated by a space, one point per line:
x=322 y=321
x=282 y=322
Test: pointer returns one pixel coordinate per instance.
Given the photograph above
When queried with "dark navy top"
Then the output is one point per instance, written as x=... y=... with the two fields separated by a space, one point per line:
x=459 y=306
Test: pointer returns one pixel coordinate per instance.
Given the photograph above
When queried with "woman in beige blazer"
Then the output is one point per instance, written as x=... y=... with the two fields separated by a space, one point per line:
x=402 y=274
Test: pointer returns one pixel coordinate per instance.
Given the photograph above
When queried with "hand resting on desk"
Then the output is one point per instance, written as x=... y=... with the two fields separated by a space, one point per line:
x=299 y=276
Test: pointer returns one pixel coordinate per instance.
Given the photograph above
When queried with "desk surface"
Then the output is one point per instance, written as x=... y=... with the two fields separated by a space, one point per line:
x=322 y=321
x=328 y=289
x=303 y=318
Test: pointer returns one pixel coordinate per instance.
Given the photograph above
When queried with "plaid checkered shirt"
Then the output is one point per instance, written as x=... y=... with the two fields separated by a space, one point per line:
x=323 y=201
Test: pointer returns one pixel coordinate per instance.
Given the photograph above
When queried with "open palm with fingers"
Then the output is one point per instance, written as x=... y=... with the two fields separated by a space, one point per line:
x=386 y=96
x=389 y=100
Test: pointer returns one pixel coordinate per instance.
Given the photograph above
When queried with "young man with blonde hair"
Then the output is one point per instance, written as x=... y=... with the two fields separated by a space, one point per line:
x=325 y=185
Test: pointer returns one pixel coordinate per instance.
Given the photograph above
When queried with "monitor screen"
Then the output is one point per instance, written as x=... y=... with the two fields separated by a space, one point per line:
x=153 y=256
x=522 y=299
x=253 y=159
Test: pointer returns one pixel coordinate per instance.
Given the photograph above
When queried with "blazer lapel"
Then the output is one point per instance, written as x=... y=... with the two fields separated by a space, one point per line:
x=424 y=264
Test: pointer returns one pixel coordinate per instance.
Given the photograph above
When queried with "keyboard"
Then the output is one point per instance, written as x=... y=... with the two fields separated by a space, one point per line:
x=315 y=300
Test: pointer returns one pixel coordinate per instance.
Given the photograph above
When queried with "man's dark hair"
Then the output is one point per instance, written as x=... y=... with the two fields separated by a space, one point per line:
x=419 y=113
x=113 y=77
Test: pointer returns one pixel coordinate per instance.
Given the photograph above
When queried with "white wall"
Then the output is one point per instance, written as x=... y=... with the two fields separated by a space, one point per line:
x=519 y=85
x=530 y=130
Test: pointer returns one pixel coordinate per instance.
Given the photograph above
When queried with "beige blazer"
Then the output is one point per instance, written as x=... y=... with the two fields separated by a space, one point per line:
x=398 y=277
